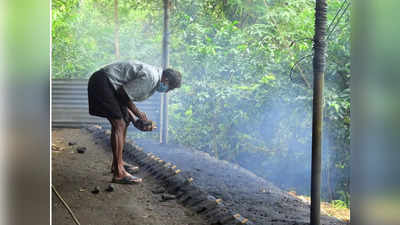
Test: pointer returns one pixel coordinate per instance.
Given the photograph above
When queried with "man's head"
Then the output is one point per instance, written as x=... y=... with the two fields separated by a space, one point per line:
x=171 y=78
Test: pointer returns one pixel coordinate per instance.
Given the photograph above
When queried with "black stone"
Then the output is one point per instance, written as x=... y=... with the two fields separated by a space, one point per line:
x=110 y=188
x=139 y=155
x=206 y=206
x=158 y=190
x=237 y=220
x=216 y=214
x=166 y=197
x=227 y=219
x=197 y=199
x=96 y=190
x=81 y=149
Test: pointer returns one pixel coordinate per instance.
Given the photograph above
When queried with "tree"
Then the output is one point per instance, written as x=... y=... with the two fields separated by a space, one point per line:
x=319 y=69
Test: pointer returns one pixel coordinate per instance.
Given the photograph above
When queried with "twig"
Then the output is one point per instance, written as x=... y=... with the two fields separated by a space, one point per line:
x=304 y=78
x=302 y=39
x=298 y=61
x=66 y=205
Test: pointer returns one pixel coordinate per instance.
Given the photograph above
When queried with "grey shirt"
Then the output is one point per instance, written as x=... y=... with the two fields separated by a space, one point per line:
x=139 y=80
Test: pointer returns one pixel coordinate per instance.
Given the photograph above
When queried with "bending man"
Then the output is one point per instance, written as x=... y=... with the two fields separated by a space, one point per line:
x=112 y=91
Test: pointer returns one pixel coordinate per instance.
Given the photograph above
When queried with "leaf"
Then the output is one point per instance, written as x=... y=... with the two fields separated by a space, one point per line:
x=189 y=112
x=266 y=79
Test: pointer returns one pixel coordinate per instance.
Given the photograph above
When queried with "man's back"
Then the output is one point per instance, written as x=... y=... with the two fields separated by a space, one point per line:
x=139 y=80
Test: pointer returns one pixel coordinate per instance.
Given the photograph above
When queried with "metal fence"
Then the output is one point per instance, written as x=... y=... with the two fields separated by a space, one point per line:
x=70 y=105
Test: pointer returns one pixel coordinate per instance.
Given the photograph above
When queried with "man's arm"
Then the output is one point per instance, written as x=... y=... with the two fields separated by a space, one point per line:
x=143 y=125
x=131 y=106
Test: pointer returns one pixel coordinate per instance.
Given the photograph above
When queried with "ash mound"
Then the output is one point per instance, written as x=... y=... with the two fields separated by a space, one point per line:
x=241 y=190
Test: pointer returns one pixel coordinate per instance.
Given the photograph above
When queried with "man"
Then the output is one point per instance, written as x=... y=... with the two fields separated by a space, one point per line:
x=112 y=91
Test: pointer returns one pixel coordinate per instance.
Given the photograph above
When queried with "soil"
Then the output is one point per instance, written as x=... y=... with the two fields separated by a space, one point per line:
x=75 y=175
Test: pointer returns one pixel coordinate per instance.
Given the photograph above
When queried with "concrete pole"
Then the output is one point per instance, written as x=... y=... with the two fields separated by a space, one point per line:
x=116 y=30
x=165 y=62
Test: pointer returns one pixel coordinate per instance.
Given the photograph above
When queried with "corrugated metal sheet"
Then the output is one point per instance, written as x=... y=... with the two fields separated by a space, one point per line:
x=70 y=105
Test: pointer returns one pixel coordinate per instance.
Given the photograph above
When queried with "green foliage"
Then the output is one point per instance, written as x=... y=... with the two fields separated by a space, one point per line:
x=339 y=204
x=83 y=35
x=237 y=101
x=237 y=70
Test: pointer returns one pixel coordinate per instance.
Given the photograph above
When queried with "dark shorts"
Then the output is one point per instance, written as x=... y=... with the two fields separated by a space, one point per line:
x=104 y=101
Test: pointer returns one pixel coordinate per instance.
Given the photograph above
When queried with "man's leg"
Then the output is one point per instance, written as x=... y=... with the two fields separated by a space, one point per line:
x=130 y=114
x=118 y=128
x=133 y=168
x=125 y=131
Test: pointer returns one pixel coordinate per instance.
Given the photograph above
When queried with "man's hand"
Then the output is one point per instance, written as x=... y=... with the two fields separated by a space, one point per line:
x=142 y=115
x=144 y=125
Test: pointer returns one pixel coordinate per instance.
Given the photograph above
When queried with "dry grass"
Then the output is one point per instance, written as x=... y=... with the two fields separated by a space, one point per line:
x=327 y=208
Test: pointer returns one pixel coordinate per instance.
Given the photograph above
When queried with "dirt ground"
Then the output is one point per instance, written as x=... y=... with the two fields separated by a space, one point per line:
x=75 y=175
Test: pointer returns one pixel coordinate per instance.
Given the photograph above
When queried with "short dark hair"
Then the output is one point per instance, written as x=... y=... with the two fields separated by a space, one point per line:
x=174 y=78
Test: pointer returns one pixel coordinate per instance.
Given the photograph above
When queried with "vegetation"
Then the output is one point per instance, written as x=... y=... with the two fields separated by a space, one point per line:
x=238 y=101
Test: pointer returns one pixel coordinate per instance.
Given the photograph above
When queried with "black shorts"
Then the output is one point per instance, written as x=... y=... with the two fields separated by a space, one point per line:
x=104 y=100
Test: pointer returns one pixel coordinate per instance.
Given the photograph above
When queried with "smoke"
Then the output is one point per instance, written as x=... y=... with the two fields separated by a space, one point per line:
x=236 y=101
x=285 y=128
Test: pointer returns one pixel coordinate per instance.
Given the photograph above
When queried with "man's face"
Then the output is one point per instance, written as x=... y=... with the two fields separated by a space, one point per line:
x=165 y=81
x=163 y=87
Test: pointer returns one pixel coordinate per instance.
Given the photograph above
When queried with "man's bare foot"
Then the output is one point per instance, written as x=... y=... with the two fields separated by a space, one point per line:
x=128 y=167
x=128 y=164
x=127 y=179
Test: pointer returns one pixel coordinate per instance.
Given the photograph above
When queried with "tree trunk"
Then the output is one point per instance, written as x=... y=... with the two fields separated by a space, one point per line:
x=165 y=62
x=328 y=178
x=116 y=32
x=319 y=68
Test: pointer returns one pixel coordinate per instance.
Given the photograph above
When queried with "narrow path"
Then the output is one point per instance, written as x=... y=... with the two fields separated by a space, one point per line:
x=75 y=175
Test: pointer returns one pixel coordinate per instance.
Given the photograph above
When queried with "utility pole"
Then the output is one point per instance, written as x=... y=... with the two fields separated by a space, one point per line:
x=116 y=30
x=165 y=62
x=319 y=68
